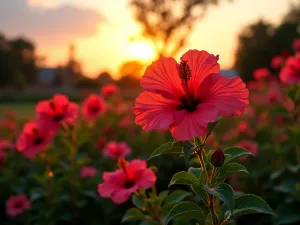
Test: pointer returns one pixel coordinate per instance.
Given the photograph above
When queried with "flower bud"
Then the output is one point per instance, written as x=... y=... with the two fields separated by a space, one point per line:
x=217 y=158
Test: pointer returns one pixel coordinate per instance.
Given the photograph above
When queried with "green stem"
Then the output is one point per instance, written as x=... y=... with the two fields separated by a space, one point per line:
x=211 y=200
x=212 y=210
x=201 y=160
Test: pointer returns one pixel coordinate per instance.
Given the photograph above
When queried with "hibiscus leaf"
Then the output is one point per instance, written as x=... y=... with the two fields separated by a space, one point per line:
x=248 y=203
x=184 y=178
x=177 y=196
x=229 y=169
x=225 y=193
x=211 y=126
x=185 y=209
x=235 y=152
x=138 y=202
x=133 y=214
x=169 y=147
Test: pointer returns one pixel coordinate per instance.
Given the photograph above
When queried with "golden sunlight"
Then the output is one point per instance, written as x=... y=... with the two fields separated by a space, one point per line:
x=141 y=50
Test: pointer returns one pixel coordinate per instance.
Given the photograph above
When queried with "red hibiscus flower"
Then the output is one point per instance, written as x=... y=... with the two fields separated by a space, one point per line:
x=261 y=73
x=290 y=73
x=116 y=150
x=93 y=107
x=122 y=183
x=16 y=205
x=109 y=90
x=51 y=113
x=277 y=62
x=33 y=139
x=185 y=97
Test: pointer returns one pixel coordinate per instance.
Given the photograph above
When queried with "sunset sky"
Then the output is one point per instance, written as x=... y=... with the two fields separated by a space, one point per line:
x=102 y=29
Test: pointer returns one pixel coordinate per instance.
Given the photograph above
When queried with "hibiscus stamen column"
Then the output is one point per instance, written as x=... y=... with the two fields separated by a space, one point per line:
x=122 y=165
x=185 y=75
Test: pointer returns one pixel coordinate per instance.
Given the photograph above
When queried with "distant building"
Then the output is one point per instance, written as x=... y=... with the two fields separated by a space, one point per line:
x=62 y=76
x=46 y=76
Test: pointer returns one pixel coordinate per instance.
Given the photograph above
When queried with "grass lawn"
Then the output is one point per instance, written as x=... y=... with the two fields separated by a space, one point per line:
x=22 y=110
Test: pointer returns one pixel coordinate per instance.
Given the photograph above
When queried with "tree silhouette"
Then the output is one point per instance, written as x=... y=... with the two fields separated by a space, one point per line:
x=17 y=62
x=254 y=49
x=168 y=22
x=261 y=41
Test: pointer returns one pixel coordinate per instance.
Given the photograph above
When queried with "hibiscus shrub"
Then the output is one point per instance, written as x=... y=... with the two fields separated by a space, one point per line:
x=67 y=164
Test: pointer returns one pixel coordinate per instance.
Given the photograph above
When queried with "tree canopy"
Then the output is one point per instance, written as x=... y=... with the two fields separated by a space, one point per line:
x=169 y=22
x=261 y=41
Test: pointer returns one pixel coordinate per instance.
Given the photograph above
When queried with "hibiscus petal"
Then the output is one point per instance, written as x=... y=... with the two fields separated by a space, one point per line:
x=201 y=64
x=123 y=195
x=106 y=189
x=145 y=178
x=229 y=95
x=189 y=125
x=162 y=77
x=153 y=111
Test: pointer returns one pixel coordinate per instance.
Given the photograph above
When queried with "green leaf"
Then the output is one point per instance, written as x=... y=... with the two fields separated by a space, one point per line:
x=199 y=173
x=170 y=147
x=280 y=111
x=133 y=214
x=287 y=186
x=162 y=195
x=235 y=152
x=287 y=214
x=188 y=149
x=225 y=193
x=196 y=171
x=184 y=178
x=185 y=209
x=293 y=93
x=138 y=202
x=203 y=178
x=248 y=203
x=177 y=196
x=211 y=127
x=227 y=170
x=199 y=191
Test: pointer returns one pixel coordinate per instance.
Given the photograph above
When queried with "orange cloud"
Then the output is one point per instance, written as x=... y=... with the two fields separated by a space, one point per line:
x=55 y=25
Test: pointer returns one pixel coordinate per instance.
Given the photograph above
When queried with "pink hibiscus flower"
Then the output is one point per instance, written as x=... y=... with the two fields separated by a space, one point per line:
x=261 y=73
x=277 y=62
x=290 y=73
x=185 y=97
x=88 y=171
x=122 y=183
x=116 y=150
x=251 y=146
x=296 y=44
x=51 y=113
x=109 y=90
x=93 y=107
x=17 y=204
x=33 y=139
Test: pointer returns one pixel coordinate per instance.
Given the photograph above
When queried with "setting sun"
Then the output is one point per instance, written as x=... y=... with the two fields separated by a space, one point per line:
x=141 y=50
